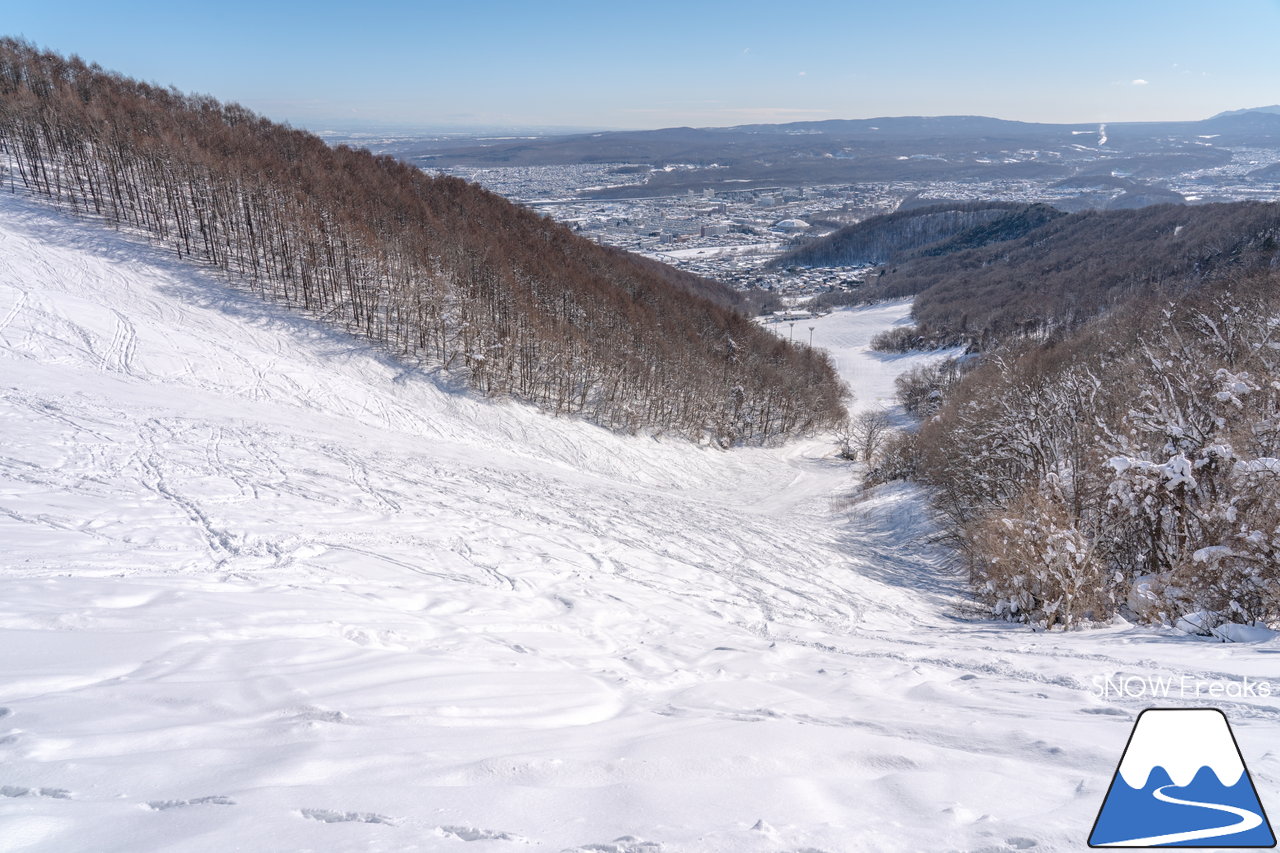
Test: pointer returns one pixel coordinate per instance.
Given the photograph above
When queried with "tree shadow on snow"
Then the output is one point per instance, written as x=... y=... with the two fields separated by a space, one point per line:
x=201 y=285
x=890 y=532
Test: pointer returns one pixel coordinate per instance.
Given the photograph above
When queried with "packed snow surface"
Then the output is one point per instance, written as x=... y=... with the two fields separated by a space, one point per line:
x=268 y=589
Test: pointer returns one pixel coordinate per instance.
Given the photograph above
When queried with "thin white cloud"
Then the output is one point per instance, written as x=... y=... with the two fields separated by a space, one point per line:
x=802 y=74
x=1139 y=82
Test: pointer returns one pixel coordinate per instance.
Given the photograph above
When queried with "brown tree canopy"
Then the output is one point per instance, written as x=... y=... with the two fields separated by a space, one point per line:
x=437 y=270
x=1131 y=466
x=1076 y=267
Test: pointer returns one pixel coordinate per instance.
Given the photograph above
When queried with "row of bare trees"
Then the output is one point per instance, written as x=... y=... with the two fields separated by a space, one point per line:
x=435 y=269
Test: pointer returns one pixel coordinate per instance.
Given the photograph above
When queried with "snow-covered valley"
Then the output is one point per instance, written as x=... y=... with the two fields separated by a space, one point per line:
x=267 y=589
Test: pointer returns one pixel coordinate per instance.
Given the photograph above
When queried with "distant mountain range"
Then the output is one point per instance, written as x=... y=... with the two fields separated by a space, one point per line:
x=903 y=148
x=1274 y=109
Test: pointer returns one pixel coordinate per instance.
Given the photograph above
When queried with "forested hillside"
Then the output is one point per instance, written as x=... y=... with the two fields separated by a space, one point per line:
x=1073 y=267
x=932 y=229
x=1131 y=467
x=1116 y=448
x=437 y=270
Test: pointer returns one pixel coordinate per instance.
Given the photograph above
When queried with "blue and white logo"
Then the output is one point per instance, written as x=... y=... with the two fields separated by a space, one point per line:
x=1181 y=783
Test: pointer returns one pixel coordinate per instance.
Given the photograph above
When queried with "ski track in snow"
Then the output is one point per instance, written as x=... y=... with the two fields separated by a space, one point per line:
x=266 y=588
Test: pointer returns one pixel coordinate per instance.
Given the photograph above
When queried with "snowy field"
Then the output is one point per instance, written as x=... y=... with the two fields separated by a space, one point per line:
x=265 y=589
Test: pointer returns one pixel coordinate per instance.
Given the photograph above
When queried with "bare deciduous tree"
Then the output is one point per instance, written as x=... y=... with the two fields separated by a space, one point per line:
x=1140 y=453
x=866 y=433
x=432 y=268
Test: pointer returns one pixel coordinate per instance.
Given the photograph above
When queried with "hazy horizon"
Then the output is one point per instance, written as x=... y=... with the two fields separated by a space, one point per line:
x=342 y=127
x=572 y=65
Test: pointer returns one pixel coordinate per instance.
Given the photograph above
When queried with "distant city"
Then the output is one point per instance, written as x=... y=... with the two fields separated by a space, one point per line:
x=733 y=235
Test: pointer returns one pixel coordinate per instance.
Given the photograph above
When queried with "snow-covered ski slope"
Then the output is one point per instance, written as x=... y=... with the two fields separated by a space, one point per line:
x=266 y=589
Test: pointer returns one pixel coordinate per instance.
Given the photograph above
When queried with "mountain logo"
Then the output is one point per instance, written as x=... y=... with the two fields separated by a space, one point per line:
x=1181 y=783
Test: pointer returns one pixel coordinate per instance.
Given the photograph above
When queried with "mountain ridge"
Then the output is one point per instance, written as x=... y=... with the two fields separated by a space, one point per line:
x=876 y=150
x=1272 y=109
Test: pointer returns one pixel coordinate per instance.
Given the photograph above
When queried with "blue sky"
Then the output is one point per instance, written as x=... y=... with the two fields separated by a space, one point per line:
x=608 y=64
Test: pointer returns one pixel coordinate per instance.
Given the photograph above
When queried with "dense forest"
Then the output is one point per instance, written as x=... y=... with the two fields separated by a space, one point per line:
x=1129 y=466
x=437 y=270
x=1132 y=467
x=1113 y=447
x=933 y=229
x=1073 y=268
